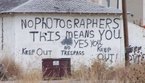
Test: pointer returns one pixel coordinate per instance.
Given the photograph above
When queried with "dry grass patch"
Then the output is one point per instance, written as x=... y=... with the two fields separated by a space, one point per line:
x=13 y=69
x=136 y=73
x=99 y=72
x=31 y=76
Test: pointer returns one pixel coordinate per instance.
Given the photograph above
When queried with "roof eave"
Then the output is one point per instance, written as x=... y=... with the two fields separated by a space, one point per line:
x=106 y=13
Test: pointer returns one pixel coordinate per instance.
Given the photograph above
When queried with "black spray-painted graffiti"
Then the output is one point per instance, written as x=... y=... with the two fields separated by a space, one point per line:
x=87 y=23
x=110 y=34
x=38 y=24
x=45 y=36
x=74 y=34
x=39 y=51
x=72 y=52
x=136 y=54
x=107 y=57
x=67 y=41
x=80 y=34
x=105 y=53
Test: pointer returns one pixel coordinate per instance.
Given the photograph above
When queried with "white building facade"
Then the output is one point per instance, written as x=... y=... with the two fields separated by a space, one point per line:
x=77 y=30
x=81 y=34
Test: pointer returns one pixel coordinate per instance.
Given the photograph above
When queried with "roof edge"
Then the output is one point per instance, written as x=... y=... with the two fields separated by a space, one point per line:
x=61 y=13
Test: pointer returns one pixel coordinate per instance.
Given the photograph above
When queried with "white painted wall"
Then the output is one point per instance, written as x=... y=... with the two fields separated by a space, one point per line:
x=136 y=42
x=24 y=40
x=8 y=35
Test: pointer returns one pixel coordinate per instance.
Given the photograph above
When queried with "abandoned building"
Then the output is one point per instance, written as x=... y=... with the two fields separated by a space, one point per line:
x=76 y=30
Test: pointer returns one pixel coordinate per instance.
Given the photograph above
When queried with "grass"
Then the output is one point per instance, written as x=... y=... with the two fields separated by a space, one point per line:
x=136 y=73
x=31 y=76
x=98 y=72
x=13 y=69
